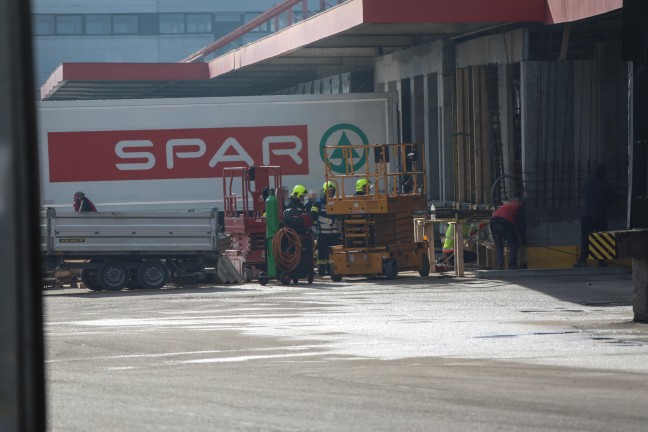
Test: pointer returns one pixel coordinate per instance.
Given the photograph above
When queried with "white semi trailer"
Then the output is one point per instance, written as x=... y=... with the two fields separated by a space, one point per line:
x=169 y=154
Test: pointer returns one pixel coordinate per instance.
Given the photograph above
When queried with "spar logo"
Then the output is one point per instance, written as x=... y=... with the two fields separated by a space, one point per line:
x=343 y=134
x=174 y=153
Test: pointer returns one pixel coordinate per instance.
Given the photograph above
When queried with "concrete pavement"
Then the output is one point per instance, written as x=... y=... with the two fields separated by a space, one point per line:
x=435 y=353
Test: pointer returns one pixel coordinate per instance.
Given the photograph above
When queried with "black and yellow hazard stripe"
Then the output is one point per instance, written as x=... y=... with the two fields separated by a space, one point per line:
x=602 y=246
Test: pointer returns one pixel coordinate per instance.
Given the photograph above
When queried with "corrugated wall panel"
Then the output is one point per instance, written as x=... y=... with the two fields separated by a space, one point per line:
x=566 y=128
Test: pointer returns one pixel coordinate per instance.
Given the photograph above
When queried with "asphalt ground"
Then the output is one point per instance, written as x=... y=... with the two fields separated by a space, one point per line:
x=414 y=354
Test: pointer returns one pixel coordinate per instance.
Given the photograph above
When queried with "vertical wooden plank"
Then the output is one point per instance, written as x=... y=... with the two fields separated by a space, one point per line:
x=481 y=144
x=484 y=153
x=459 y=134
x=434 y=140
x=467 y=150
x=418 y=115
x=474 y=160
x=459 y=249
x=447 y=111
x=465 y=97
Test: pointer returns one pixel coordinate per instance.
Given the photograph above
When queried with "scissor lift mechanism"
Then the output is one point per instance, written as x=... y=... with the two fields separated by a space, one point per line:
x=247 y=223
x=378 y=228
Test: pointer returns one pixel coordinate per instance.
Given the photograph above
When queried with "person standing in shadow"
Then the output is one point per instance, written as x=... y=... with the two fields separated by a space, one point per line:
x=599 y=195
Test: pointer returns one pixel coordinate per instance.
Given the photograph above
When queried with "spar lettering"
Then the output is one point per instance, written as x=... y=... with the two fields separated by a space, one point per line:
x=72 y=240
x=195 y=148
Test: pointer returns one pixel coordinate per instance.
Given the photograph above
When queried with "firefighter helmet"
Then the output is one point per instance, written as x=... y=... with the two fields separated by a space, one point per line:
x=298 y=191
x=329 y=185
x=362 y=185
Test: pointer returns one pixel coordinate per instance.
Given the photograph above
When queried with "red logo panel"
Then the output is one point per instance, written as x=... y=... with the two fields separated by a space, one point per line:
x=174 y=153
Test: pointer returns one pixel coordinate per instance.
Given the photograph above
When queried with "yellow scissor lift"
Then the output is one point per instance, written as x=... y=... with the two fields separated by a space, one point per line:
x=377 y=228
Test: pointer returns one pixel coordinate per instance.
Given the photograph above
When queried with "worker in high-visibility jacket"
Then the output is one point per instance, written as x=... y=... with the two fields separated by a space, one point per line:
x=329 y=229
x=449 y=245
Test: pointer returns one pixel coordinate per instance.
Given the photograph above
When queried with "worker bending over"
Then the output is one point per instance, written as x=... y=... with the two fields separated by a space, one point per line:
x=506 y=224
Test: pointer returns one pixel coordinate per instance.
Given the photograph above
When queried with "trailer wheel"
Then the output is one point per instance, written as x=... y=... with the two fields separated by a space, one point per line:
x=334 y=276
x=263 y=279
x=247 y=274
x=390 y=269
x=285 y=278
x=425 y=266
x=152 y=274
x=113 y=275
x=89 y=279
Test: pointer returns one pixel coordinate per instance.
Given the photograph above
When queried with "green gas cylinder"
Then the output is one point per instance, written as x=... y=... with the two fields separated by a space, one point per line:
x=272 y=226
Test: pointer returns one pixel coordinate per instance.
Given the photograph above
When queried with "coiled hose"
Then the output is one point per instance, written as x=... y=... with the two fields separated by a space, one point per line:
x=286 y=247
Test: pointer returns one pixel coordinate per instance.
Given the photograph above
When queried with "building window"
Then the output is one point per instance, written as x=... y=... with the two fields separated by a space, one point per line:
x=97 y=24
x=142 y=24
x=125 y=24
x=198 y=23
x=69 y=24
x=172 y=23
x=225 y=23
x=44 y=24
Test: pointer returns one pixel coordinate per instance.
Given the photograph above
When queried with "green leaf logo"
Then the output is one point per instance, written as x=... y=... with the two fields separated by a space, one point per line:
x=343 y=134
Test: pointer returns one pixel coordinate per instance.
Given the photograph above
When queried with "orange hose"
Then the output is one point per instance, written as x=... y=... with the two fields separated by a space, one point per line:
x=286 y=261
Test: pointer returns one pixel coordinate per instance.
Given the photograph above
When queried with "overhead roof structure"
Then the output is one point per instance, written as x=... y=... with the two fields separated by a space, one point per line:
x=346 y=37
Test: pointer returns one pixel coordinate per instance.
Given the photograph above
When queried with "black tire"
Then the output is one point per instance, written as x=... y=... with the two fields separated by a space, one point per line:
x=311 y=277
x=247 y=274
x=263 y=279
x=425 y=266
x=152 y=274
x=285 y=278
x=390 y=269
x=90 y=280
x=113 y=275
x=334 y=276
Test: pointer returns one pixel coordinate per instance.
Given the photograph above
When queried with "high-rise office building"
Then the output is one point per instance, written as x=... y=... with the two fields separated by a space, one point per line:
x=135 y=30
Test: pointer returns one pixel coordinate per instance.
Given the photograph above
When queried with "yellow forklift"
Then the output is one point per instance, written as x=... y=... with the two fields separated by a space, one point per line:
x=380 y=190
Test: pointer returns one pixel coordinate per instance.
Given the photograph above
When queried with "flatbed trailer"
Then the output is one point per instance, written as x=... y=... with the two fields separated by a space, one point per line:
x=114 y=250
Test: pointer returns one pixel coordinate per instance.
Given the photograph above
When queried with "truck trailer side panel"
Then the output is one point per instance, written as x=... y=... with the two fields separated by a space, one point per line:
x=170 y=153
